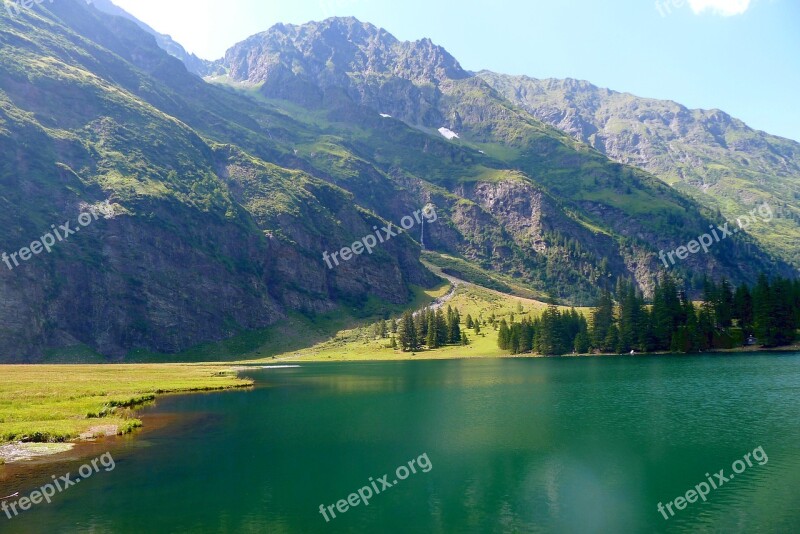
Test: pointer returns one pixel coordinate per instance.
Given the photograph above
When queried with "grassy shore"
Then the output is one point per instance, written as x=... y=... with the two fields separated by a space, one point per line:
x=54 y=403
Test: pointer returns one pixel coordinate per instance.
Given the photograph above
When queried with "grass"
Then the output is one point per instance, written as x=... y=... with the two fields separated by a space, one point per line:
x=356 y=344
x=55 y=403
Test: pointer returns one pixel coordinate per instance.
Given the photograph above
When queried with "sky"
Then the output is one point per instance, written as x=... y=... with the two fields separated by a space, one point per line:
x=741 y=56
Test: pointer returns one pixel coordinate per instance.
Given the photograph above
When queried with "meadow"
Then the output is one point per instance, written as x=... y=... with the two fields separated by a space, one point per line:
x=55 y=403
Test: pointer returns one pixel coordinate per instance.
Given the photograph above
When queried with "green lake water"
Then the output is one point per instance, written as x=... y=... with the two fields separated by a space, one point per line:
x=515 y=445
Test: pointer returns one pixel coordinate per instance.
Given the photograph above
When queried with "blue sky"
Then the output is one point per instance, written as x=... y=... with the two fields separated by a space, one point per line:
x=741 y=56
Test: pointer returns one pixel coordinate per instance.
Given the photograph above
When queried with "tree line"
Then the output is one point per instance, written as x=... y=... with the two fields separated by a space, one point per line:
x=767 y=314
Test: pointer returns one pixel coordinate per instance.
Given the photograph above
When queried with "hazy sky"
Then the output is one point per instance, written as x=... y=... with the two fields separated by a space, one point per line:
x=741 y=56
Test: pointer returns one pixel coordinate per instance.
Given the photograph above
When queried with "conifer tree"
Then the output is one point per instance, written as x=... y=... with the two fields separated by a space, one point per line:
x=453 y=326
x=602 y=320
x=503 y=336
x=406 y=333
x=431 y=338
x=441 y=328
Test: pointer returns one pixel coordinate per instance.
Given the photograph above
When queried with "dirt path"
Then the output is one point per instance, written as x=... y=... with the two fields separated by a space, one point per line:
x=458 y=282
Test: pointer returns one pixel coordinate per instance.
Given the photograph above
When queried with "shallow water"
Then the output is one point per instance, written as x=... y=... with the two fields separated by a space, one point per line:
x=518 y=445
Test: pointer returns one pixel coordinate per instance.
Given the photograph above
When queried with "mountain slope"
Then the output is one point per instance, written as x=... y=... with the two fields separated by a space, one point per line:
x=178 y=257
x=620 y=212
x=713 y=157
x=218 y=200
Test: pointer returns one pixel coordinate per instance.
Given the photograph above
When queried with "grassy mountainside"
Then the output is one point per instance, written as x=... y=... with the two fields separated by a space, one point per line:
x=716 y=159
x=81 y=127
x=218 y=199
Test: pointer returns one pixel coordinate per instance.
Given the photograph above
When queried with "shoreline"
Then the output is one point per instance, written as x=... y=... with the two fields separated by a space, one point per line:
x=91 y=403
x=18 y=453
x=424 y=356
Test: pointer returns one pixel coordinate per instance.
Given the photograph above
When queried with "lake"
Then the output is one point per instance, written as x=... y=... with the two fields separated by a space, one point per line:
x=512 y=445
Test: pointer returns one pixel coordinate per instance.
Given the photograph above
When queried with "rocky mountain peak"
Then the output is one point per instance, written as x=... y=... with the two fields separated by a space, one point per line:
x=327 y=52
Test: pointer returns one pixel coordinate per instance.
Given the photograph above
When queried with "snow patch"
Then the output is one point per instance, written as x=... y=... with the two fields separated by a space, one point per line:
x=385 y=116
x=448 y=133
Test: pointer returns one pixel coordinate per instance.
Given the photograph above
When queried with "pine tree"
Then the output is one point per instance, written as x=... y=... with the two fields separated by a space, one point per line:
x=783 y=317
x=431 y=339
x=705 y=328
x=611 y=341
x=602 y=321
x=469 y=321
x=743 y=310
x=514 y=339
x=723 y=304
x=421 y=323
x=453 y=326
x=525 y=336
x=667 y=313
x=762 y=304
x=503 y=336
x=581 y=344
x=690 y=332
x=551 y=339
x=441 y=328
x=631 y=318
x=407 y=334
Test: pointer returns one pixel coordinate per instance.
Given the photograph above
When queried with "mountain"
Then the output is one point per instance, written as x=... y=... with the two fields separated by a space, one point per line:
x=581 y=200
x=716 y=159
x=218 y=200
